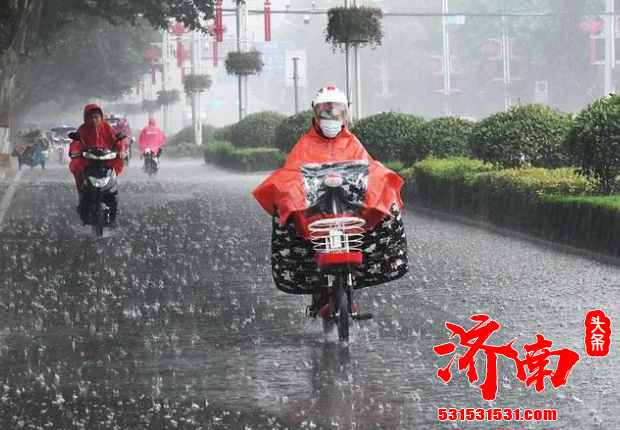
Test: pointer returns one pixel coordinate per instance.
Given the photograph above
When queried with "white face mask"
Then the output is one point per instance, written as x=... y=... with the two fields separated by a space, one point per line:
x=331 y=128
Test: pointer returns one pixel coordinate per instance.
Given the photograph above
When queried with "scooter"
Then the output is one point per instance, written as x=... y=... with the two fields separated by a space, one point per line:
x=151 y=163
x=338 y=238
x=99 y=198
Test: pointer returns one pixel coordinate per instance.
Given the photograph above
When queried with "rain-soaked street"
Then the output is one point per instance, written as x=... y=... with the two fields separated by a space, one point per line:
x=172 y=319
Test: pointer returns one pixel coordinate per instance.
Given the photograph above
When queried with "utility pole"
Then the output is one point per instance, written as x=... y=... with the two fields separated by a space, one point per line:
x=196 y=120
x=348 y=67
x=447 y=66
x=239 y=49
x=199 y=94
x=296 y=81
x=165 y=78
x=610 y=48
x=358 y=78
x=506 y=59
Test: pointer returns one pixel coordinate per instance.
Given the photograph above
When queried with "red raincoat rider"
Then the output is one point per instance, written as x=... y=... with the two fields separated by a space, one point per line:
x=283 y=193
x=153 y=138
x=95 y=133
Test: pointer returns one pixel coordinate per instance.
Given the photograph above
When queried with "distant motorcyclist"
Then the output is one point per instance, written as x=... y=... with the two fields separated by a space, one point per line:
x=153 y=138
x=95 y=133
x=120 y=124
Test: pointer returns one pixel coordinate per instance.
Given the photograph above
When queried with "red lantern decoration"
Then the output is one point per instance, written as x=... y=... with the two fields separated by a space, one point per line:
x=182 y=55
x=594 y=27
x=153 y=53
x=179 y=30
x=213 y=31
x=267 y=20
x=219 y=21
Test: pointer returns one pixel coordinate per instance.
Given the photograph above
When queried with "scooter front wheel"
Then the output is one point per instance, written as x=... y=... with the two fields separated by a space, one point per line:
x=99 y=221
x=342 y=317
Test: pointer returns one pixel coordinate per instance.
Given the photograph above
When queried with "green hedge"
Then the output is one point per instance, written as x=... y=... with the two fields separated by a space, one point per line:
x=532 y=134
x=224 y=134
x=555 y=205
x=291 y=129
x=224 y=154
x=593 y=143
x=256 y=131
x=186 y=135
x=184 y=150
x=391 y=137
x=446 y=137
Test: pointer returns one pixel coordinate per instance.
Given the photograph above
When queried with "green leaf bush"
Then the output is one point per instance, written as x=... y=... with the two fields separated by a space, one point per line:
x=391 y=136
x=225 y=154
x=553 y=204
x=186 y=135
x=244 y=63
x=529 y=134
x=291 y=129
x=594 y=142
x=355 y=25
x=256 y=131
x=446 y=137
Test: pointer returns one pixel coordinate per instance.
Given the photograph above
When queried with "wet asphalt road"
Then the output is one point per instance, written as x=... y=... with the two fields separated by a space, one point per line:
x=172 y=320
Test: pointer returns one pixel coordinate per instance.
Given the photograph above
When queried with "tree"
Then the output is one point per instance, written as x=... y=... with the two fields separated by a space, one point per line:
x=26 y=25
x=90 y=59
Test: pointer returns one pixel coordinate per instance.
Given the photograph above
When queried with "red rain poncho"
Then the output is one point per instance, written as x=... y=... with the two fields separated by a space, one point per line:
x=102 y=136
x=283 y=191
x=152 y=137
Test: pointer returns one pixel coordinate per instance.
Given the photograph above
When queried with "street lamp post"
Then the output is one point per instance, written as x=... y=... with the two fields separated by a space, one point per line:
x=447 y=83
x=296 y=82
x=358 y=78
x=506 y=60
x=610 y=42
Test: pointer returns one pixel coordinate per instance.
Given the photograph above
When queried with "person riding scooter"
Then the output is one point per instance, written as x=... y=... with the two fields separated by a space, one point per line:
x=293 y=193
x=152 y=138
x=94 y=133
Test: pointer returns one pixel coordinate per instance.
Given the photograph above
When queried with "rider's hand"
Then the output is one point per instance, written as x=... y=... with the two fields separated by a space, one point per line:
x=122 y=154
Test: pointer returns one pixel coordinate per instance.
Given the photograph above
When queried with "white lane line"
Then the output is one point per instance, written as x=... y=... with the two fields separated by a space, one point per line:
x=8 y=197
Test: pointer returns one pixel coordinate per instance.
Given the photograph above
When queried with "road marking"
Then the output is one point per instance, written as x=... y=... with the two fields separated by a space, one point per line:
x=8 y=197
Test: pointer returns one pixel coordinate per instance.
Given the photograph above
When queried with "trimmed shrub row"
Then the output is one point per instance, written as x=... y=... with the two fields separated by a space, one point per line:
x=224 y=154
x=186 y=135
x=532 y=134
x=555 y=205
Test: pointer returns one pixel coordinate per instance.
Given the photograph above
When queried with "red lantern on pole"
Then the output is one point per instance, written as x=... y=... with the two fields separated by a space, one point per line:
x=594 y=27
x=153 y=53
x=213 y=31
x=179 y=30
x=267 y=20
x=182 y=55
x=219 y=21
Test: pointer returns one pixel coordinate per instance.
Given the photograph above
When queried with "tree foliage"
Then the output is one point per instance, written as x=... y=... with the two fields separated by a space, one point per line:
x=90 y=59
x=594 y=142
x=524 y=134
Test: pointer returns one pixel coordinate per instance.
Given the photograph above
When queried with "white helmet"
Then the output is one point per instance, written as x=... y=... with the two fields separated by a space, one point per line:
x=330 y=95
x=330 y=107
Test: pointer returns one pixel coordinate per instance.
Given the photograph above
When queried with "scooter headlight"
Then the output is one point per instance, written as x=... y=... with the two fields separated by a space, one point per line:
x=99 y=182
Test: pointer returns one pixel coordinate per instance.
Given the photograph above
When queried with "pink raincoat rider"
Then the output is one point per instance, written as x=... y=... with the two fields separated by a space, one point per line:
x=153 y=138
